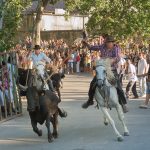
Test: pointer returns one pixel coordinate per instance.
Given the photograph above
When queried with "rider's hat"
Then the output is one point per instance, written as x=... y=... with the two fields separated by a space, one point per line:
x=36 y=47
x=110 y=38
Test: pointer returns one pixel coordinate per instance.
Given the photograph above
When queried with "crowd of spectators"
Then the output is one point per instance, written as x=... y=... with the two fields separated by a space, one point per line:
x=76 y=58
x=7 y=81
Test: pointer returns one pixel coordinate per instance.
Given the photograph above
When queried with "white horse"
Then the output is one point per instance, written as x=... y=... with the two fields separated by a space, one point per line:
x=107 y=97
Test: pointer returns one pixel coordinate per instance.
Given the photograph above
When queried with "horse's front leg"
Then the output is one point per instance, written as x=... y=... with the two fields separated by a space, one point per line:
x=61 y=84
x=105 y=111
x=50 y=137
x=58 y=92
x=55 y=125
x=121 y=118
x=35 y=128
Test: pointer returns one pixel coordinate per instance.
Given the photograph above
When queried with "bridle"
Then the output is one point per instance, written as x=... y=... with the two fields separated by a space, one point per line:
x=104 y=90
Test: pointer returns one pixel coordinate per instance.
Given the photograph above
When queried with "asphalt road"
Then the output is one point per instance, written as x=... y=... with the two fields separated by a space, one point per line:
x=82 y=129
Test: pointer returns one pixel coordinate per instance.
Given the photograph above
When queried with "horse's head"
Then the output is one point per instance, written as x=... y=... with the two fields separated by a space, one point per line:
x=57 y=80
x=40 y=68
x=34 y=77
x=104 y=71
x=100 y=75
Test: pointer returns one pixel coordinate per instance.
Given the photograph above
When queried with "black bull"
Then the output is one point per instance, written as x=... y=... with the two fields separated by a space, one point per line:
x=46 y=106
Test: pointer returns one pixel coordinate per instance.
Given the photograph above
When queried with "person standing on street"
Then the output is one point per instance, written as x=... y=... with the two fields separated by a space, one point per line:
x=142 y=69
x=132 y=80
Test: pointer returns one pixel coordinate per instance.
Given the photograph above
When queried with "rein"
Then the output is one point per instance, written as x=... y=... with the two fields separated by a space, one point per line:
x=49 y=77
x=45 y=81
x=105 y=93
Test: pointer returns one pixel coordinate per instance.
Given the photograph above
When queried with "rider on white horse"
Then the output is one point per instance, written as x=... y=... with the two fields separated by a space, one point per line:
x=38 y=58
x=112 y=51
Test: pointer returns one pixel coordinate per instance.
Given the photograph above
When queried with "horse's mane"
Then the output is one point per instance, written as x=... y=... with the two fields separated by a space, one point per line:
x=107 y=64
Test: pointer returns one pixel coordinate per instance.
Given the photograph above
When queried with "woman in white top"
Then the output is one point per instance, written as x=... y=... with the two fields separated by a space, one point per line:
x=132 y=79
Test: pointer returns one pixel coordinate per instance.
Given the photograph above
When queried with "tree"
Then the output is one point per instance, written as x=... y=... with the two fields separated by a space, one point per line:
x=117 y=17
x=40 y=9
x=11 y=18
x=11 y=15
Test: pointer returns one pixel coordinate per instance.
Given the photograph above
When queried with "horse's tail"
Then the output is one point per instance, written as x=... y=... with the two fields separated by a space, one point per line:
x=62 y=113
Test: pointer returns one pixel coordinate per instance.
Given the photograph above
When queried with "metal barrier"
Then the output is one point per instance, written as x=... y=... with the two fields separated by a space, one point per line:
x=10 y=101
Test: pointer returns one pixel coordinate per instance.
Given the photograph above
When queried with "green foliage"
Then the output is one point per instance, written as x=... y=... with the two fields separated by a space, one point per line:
x=117 y=17
x=11 y=11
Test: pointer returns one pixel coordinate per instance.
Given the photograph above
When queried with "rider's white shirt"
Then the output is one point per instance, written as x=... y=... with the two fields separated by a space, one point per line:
x=37 y=58
x=132 y=73
x=39 y=62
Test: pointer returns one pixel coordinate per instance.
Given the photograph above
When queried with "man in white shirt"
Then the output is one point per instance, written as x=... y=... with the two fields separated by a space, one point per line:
x=142 y=69
x=132 y=80
x=39 y=57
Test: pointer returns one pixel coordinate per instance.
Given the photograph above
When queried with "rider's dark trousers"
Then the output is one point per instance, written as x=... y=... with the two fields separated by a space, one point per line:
x=92 y=89
x=122 y=98
x=50 y=84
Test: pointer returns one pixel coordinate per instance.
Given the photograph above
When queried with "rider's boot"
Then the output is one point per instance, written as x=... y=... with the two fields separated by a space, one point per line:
x=88 y=103
x=91 y=94
x=91 y=97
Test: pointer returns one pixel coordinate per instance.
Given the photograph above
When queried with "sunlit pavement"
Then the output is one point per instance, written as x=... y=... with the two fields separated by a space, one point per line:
x=82 y=129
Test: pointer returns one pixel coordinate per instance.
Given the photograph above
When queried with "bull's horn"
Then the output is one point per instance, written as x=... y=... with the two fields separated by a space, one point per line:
x=24 y=88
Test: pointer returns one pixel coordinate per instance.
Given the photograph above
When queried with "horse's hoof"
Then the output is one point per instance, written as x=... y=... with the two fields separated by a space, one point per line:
x=55 y=135
x=126 y=133
x=40 y=133
x=50 y=139
x=65 y=114
x=106 y=123
x=120 y=139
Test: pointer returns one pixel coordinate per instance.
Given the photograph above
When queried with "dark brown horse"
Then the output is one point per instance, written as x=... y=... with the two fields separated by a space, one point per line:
x=56 y=79
x=57 y=82
x=42 y=106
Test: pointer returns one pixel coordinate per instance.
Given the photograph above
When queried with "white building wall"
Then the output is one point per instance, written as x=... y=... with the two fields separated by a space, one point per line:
x=54 y=22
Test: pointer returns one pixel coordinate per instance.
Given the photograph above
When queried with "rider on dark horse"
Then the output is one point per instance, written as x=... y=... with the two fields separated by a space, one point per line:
x=34 y=58
x=37 y=56
x=108 y=50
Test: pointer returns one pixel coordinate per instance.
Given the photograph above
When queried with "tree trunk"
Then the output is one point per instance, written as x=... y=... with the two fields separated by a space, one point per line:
x=37 y=29
x=37 y=25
